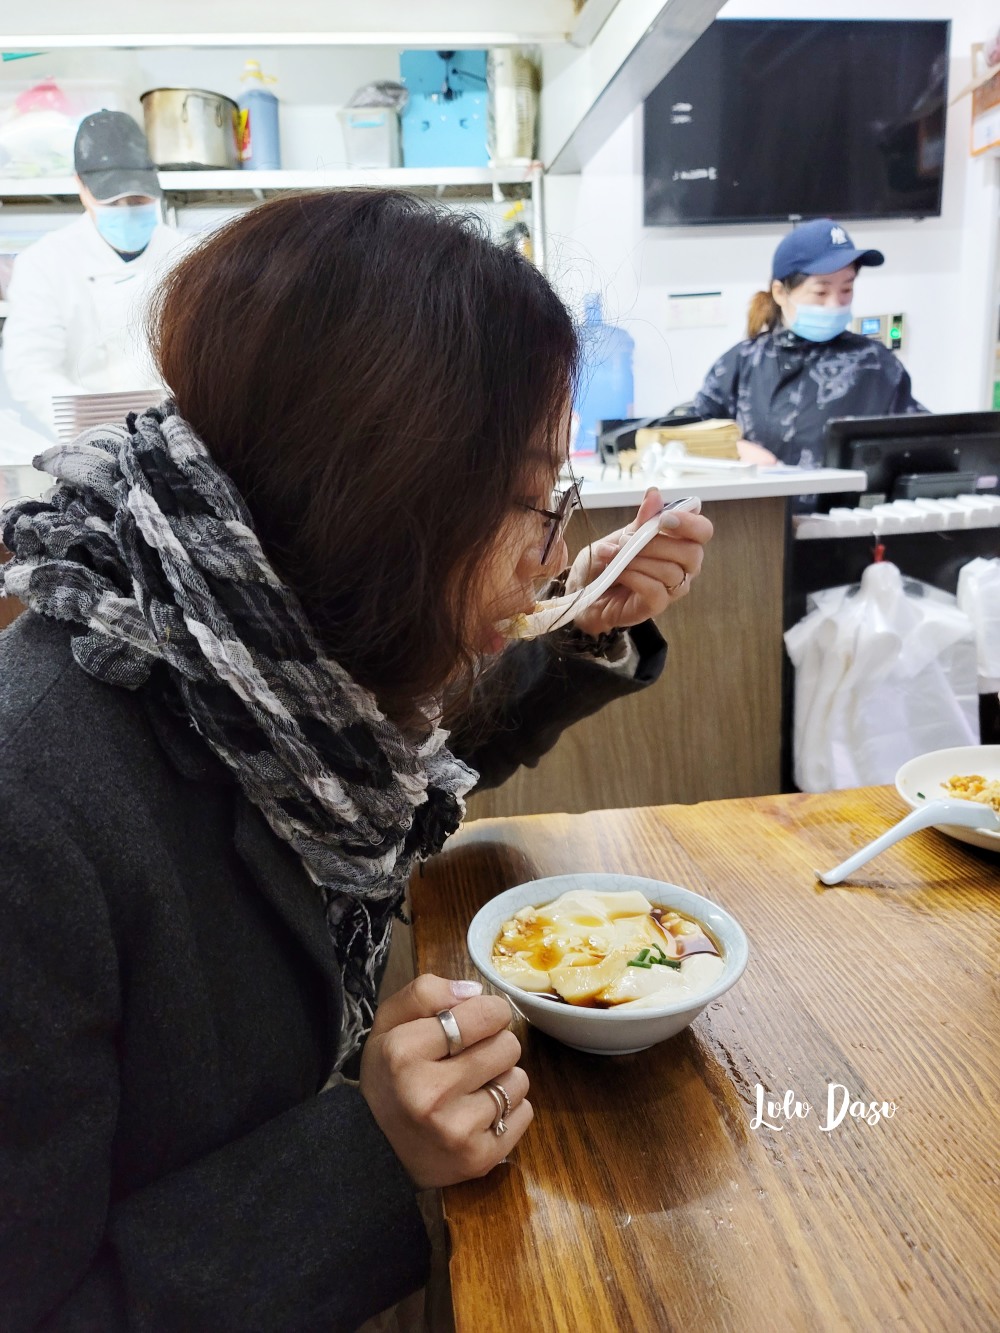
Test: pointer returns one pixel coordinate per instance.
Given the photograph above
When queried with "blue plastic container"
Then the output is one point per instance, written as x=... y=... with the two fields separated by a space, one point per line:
x=444 y=120
x=260 y=142
x=606 y=387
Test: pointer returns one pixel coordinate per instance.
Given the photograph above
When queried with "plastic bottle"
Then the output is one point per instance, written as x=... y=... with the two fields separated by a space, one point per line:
x=260 y=144
x=605 y=390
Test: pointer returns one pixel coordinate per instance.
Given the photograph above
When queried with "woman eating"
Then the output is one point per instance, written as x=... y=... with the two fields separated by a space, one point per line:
x=255 y=614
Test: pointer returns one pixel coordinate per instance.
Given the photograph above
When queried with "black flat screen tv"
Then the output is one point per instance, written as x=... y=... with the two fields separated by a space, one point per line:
x=772 y=120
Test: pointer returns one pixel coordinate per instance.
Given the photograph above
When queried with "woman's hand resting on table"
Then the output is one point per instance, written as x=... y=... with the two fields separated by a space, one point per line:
x=660 y=574
x=755 y=453
x=433 y=1108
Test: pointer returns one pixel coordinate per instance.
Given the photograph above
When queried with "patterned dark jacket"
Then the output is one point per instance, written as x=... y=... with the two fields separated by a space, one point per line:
x=782 y=389
x=169 y=1004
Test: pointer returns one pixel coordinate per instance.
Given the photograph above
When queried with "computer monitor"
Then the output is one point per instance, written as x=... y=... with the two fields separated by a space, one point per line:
x=955 y=453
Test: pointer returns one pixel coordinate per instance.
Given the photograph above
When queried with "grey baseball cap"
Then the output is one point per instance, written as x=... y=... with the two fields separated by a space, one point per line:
x=112 y=159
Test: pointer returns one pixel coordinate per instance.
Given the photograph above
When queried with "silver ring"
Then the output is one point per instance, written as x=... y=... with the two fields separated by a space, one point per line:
x=503 y=1107
x=452 y=1032
x=503 y=1093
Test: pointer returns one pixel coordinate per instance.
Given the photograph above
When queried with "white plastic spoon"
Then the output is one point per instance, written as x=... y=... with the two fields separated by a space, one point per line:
x=968 y=813
x=555 y=611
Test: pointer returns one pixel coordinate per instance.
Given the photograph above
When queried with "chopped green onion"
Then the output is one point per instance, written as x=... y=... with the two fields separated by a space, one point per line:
x=663 y=960
x=922 y=796
x=648 y=957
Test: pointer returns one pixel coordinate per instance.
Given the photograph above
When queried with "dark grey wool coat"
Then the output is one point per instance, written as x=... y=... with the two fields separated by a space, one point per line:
x=168 y=1011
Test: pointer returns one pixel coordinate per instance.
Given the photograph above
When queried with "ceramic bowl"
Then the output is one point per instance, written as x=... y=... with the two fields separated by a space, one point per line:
x=618 y=1031
x=919 y=781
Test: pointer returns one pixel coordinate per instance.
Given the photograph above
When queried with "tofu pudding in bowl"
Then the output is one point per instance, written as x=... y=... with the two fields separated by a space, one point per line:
x=607 y=963
x=601 y=950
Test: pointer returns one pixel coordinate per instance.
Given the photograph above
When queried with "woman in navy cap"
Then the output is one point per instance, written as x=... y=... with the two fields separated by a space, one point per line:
x=799 y=366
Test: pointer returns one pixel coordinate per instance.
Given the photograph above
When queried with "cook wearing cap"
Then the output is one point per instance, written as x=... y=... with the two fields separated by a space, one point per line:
x=78 y=296
x=800 y=366
x=117 y=181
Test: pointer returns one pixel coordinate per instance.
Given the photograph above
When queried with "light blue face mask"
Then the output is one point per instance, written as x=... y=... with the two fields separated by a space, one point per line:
x=127 y=228
x=821 y=323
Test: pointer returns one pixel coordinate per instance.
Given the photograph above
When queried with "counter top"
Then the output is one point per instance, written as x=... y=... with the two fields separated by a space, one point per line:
x=609 y=491
x=612 y=491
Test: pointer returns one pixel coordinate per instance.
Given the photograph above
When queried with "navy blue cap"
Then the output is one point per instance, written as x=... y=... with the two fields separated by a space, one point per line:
x=822 y=246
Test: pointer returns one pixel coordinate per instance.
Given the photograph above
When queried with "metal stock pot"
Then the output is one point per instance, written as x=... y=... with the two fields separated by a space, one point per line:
x=191 y=128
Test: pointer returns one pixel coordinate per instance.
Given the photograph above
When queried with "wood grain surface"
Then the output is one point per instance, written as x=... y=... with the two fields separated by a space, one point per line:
x=711 y=727
x=641 y=1198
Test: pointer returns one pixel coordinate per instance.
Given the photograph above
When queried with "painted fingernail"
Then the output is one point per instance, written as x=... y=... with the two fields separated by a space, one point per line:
x=464 y=990
x=670 y=521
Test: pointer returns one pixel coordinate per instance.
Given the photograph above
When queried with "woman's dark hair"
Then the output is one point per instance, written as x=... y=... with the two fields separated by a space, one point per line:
x=764 y=313
x=380 y=381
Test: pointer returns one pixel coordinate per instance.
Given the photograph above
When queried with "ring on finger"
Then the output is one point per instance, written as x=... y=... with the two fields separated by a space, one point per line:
x=675 y=588
x=452 y=1032
x=502 y=1102
x=493 y=1083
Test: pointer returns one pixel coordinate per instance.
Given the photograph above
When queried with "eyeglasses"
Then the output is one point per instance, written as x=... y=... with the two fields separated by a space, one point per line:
x=563 y=504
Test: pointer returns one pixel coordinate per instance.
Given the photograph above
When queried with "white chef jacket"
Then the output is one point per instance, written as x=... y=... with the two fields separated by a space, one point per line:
x=75 y=316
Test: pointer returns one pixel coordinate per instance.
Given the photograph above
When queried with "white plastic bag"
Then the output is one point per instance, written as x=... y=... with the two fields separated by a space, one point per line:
x=979 y=598
x=883 y=673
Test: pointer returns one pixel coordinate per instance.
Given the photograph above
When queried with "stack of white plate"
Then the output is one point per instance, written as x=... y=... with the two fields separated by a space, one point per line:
x=79 y=411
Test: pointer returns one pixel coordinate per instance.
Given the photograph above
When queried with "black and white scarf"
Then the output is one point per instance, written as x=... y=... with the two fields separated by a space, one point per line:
x=147 y=545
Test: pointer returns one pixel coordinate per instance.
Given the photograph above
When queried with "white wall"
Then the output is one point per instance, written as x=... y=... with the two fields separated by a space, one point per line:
x=941 y=272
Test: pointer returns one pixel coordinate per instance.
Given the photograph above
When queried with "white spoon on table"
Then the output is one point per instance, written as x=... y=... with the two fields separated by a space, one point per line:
x=970 y=814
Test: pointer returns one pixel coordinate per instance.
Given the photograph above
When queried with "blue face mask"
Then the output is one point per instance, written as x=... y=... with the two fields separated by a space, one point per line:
x=127 y=228
x=821 y=323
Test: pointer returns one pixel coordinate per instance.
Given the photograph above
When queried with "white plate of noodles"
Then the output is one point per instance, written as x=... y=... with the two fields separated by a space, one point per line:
x=967 y=772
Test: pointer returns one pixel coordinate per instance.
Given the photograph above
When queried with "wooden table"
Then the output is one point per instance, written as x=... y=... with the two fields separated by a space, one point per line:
x=641 y=1198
